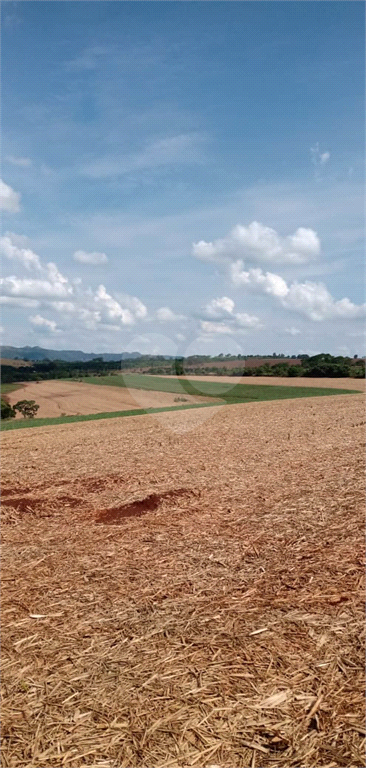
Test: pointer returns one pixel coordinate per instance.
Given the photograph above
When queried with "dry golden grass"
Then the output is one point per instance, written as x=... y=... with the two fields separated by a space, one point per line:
x=186 y=599
x=69 y=398
x=15 y=363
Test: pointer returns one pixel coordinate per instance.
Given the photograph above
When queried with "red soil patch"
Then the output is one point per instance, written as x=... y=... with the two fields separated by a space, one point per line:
x=137 y=508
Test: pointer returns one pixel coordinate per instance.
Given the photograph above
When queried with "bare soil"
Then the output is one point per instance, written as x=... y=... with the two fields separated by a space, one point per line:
x=57 y=398
x=190 y=599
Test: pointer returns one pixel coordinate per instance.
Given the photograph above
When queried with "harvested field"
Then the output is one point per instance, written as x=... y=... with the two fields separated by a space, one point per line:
x=186 y=599
x=56 y=397
x=358 y=385
x=251 y=362
x=15 y=363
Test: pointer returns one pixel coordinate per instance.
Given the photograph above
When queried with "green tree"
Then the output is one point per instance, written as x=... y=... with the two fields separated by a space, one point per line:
x=7 y=412
x=28 y=408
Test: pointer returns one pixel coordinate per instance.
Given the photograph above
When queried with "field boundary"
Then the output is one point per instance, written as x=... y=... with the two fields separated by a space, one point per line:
x=52 y=421
x=216 y=401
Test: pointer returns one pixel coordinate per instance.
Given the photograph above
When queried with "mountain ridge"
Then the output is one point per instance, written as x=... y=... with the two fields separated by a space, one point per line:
x=67 y=355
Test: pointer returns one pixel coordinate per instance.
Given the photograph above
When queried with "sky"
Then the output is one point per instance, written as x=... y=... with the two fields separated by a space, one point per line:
x=183 y=177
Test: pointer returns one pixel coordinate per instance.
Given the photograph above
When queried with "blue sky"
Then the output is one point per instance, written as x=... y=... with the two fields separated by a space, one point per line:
x=183 y=176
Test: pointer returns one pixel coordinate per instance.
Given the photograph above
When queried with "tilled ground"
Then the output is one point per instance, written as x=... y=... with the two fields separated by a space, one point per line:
x=177 y=597
x=69 y=398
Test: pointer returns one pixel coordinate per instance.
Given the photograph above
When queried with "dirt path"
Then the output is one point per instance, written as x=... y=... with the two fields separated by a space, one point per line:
x=57 y=398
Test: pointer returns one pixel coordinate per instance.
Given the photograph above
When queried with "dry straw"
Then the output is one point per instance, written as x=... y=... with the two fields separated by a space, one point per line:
x=191 y=600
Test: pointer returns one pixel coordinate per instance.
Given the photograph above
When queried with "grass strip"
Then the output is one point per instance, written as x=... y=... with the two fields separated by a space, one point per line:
x=28 y=423
x=230 y=393
x=7 y=388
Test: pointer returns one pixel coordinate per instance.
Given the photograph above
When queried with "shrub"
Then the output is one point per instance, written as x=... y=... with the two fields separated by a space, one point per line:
x=7 y=412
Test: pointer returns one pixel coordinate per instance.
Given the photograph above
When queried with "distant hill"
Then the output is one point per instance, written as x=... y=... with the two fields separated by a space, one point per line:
x=69 y=355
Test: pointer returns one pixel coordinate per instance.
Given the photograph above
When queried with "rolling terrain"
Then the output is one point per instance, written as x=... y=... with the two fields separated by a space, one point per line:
x=57 y=397
x=184 y=593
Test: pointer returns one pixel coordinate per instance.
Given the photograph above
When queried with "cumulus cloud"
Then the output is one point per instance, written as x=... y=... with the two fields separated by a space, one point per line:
x=218 y=307
x=49 y=325
x=113 y=310
x=266 y=282
x=166 y=315
x=310 y=299
x=12 y=246
x=9 y=200
x=259 y=243
x=22 y=162
x=93 y=258
x=37 y=289
x=219 y=318
x=136 y=306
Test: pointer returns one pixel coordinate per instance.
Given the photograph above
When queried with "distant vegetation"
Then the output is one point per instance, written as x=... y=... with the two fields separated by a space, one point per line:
x=323 y=365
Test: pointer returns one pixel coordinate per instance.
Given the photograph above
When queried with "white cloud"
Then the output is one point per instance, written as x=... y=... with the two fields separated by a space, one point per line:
x=166 y=315
x=256 y=279
x=111 y=308
x=9 y=200
x=310 y=299
x=22 y=162
x=243 y=320
x=90 y=258
x=11 y=247
x=217 y=307
x=209 y=327
x=318 y=158
x=63 y=306
x=227 y=321
x=183 y=148
x=324 y=157
x=37 y=289
x=19 y=301
x=50 y=325
x=293 y=331
x=314 y=301
x=259 y=243
x=134 y=304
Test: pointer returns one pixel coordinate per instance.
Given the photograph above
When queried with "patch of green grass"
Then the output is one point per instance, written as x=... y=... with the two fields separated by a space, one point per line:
x=230 y=393
x=10 y=424
x=6 y=388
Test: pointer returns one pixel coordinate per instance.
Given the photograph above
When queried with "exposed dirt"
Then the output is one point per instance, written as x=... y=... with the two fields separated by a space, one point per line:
x=220 y=623
x=57 y=398
x=138 y=508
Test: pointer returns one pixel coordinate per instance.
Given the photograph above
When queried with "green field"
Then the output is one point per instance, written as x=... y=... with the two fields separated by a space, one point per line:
x=221 y=394
x=6 y=388
x=230 y=393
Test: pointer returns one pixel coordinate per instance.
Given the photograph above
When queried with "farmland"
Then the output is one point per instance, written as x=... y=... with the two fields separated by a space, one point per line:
x=97 y=397
x=72 y=397
x=179 y=592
